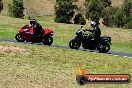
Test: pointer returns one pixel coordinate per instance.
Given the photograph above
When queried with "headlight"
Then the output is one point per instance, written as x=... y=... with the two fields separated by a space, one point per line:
x=109 y=38
x=51 y=34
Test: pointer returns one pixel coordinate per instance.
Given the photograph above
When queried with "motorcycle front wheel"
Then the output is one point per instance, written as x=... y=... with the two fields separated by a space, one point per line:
x=74 y=44
x=104 y=48
x=48 y=40
x=19 y=38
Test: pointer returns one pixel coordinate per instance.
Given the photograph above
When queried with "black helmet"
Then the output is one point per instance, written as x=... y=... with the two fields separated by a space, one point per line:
x=93 y=24
x=33 y=22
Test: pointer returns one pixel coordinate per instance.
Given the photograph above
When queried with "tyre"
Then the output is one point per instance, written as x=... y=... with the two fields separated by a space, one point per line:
x=47 y=40
x=104 y=48
x=81 y=80
x=74 y=44
x=19 y=38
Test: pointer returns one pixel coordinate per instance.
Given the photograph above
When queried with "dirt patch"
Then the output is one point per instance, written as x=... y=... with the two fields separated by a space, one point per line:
x=13 y=50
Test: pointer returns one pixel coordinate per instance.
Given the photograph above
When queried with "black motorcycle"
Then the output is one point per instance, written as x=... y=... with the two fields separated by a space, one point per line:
x=87 y=41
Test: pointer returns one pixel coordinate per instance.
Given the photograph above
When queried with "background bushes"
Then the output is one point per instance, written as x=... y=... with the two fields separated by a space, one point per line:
x=64 y=11
x=79 y=19
x=16 y=9
x=1 y=5
x=119 y=17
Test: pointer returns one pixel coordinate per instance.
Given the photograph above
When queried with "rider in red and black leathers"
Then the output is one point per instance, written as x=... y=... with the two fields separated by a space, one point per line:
x=37 y=29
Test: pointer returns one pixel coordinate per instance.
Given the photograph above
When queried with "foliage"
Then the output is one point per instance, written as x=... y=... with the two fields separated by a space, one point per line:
x=16 y=9
x=121 y=17
x=108 y=15
x=127 y=13
x=79 y=19
x=106 y=3
x=95 y=8
x=64 y=11
x=127 y=8
x=1 y=5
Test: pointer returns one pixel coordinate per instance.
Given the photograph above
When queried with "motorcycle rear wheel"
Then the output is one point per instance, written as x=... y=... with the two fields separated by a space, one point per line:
x=19 y=38
x=48 y=40
x=74 y=44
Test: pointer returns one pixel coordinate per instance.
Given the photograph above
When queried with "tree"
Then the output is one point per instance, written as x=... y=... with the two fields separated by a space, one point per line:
x=16 y=9
x=127 y=8
x=95 y=8
x=106 y=3
x=1 y=5
x=109 y=15
x=127 y=13
x=64 y=11
x=123 y=18
x=119 y=17
x=79 y=19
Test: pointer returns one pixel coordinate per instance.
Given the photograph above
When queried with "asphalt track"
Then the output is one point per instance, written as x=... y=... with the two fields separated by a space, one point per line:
x=123 y=54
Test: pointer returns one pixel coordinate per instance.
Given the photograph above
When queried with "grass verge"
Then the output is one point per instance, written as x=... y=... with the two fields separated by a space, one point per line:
x=24 y=65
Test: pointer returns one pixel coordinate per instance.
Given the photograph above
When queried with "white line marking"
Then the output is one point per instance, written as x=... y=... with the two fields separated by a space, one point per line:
x=116 y=55
x=127 y=52
x=125 y=56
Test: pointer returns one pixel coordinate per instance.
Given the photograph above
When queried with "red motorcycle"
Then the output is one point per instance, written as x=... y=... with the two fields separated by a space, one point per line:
x=26 y=33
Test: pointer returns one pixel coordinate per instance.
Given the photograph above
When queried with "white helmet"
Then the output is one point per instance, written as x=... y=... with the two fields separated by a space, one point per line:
x=93 y=24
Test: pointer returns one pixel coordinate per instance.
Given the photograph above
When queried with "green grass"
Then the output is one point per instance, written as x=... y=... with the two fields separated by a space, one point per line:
x=117 y=46
x=34 y=66
x=25 y=65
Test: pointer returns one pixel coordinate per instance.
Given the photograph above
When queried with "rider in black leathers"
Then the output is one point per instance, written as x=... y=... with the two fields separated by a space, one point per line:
x=96 y=32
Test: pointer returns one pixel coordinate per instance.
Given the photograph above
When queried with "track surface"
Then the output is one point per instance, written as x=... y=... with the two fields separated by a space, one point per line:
x=128 y=55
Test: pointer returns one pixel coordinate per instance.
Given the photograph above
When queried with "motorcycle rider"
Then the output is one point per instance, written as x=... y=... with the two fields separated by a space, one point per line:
x=37 y=29
x=96 y=32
